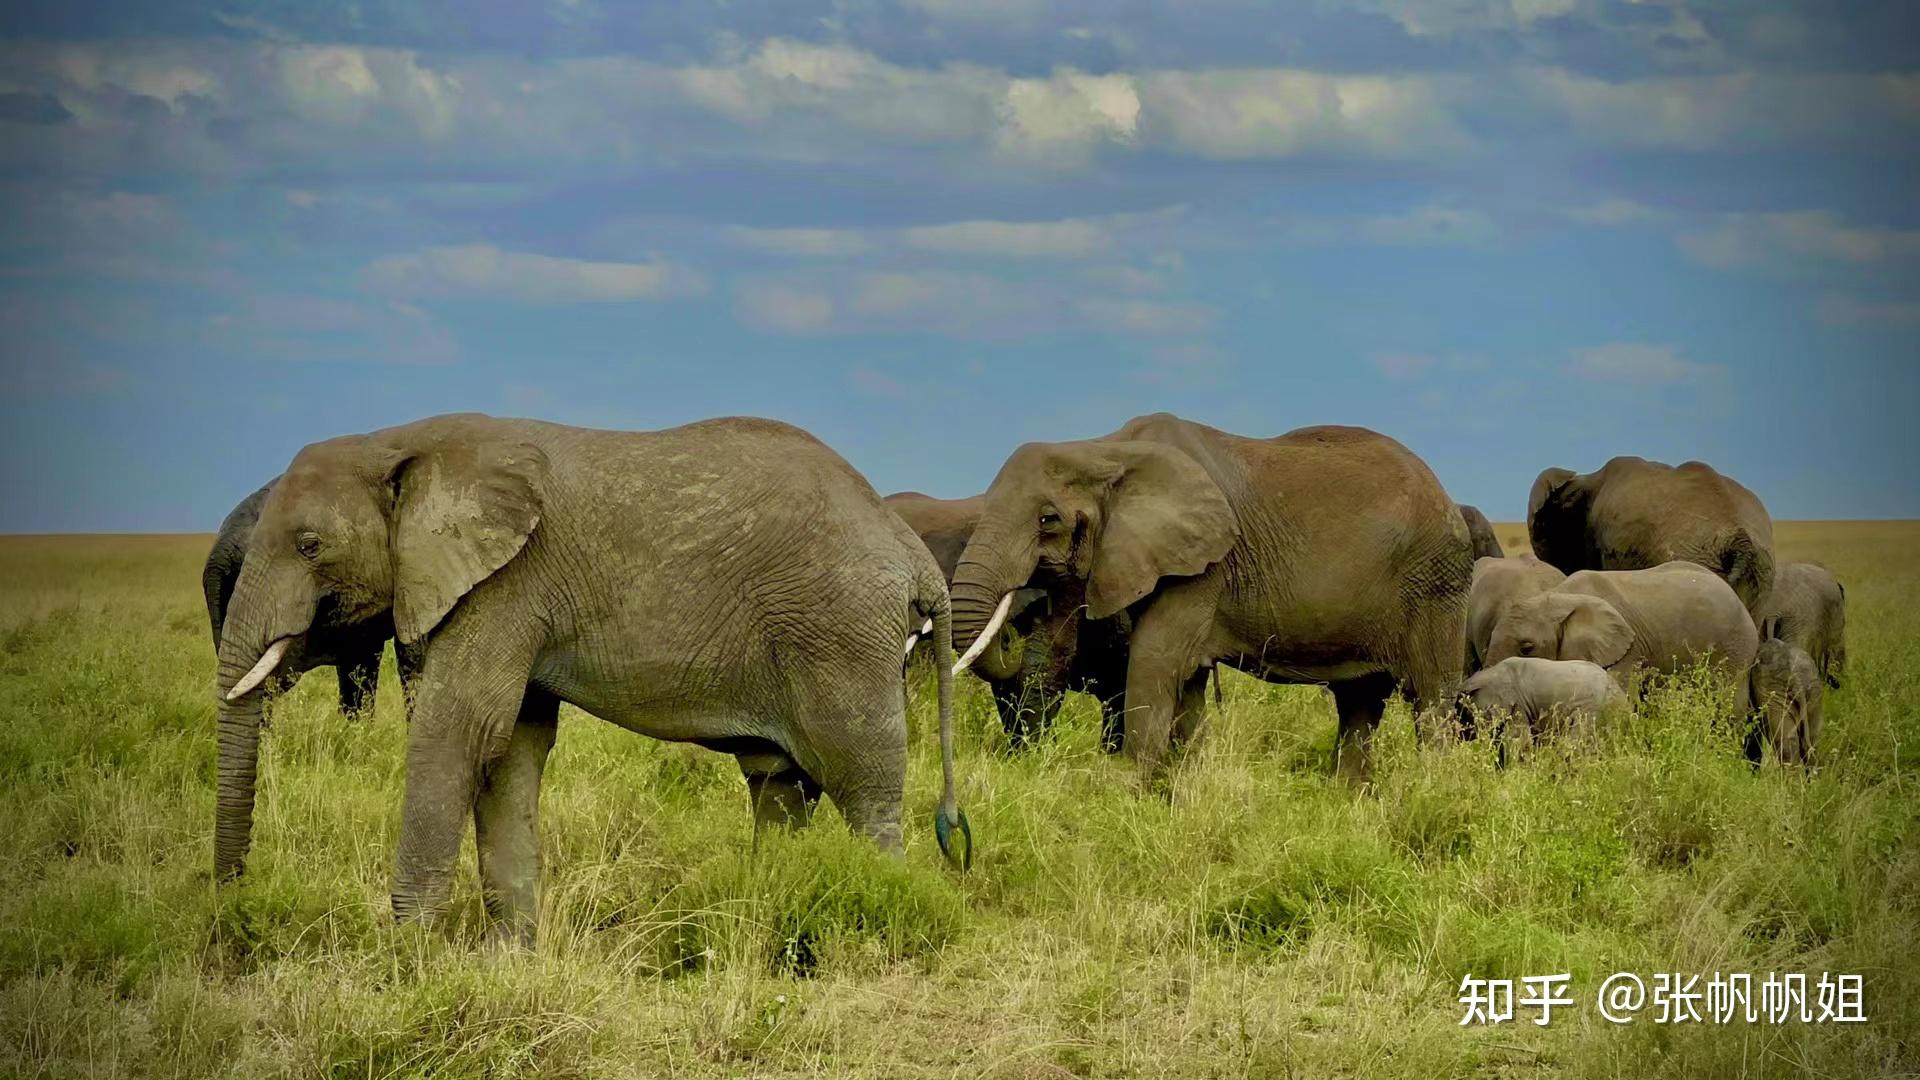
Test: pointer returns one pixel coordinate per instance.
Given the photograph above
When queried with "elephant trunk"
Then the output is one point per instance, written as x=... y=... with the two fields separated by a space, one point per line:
x=983 y=584
x=254 y=640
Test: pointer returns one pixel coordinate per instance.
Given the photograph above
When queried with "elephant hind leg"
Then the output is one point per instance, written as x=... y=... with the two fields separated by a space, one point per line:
x=506 y=817
x=1360 y=703
x=782 y=794
x=855 y=747
x=1431 y=668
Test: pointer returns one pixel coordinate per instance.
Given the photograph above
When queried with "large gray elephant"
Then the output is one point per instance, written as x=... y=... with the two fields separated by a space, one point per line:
x=1664 y=619
x=1808 y=606
x=352 y=649
x=1480 y=532
x=1633 y=514
x=1498 y=584
x=1784 y=693
x=1040 y=654
x=731 y=583
x=1326 y=555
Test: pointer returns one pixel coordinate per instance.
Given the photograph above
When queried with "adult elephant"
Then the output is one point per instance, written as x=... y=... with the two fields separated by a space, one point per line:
x=1480 y=532
x=1808 y=610
x=1633 y=514
x=351 y=649
x=1040 y=654
x=1664 y=619
x=731 y=583
x=1326 y=555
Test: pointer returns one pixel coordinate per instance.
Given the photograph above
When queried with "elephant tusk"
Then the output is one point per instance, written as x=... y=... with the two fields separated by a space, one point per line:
x=914 y=638
x=268 y=661
x=980 y=643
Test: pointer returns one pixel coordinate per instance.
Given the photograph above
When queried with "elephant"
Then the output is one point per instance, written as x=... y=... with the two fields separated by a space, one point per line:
x=731 y=583
x=1325 y=555
x=1029 y=666
x=352 y=650
x=1545 y=696
x=1634 y=514
x=1480 y=530
x=1665 y=619
x=1498 y=584
x=1785 y=692
x=1809 y=605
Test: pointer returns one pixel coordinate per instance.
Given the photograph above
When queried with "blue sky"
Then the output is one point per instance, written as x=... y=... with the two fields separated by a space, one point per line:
x=1510 y=233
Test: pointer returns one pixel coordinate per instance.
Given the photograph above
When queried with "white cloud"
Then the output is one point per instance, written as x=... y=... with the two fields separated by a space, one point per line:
x=1153 y=317
x=1638 y=363
x=814 y=243
x=1613 y=212
x=1838 y=310
x=485 y=272
x=1067 y=239
x=782 y=308
x=1401 y=367
x=1258 y=113
x=1756 y=239
x=1069 y=108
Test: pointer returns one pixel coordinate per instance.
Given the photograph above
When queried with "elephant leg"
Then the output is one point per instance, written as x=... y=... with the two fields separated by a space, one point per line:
x=1436 y=645
x=862 y=767
x=1360 y=703
x=782 y=794
x=408 y=660
x=506 y=818
x=1190 y=723
x=463 y=718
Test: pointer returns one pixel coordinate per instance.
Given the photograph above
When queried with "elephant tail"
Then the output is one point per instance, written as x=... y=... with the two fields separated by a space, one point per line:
x=1746 y=566
x=949 y=821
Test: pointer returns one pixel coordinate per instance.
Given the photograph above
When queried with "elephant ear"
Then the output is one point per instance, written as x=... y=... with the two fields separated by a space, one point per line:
x=1546 y=526
x=1594 y=630
x=1164 y=517
x=462 y=510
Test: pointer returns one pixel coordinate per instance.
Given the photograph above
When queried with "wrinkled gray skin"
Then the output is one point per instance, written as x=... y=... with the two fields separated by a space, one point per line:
x=1809 y=606
x=731 y=583
x=1666 y=619
x=1326 y=555
x=1480 y=532
x=352 y=650
x=1029 y=673
x=1498 y=584
x=1546 y=697
x=1784 y=689
x=1633 y=514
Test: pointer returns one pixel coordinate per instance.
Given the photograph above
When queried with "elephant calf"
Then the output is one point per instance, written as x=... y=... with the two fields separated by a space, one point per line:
x=1664 y=619
x=1785 y=693
x=1498 y=584
x=1809 y=607
x=1545 y=696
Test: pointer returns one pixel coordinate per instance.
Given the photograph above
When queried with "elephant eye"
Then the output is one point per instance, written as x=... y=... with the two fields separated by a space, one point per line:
x=308 y=545
x=1526 y=648
x=1048 y=518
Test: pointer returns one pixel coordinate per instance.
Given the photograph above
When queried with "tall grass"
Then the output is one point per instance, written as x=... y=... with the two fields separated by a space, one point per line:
x=1262 y=921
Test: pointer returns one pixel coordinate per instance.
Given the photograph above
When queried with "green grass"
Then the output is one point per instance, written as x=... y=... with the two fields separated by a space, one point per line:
x=1264 y=922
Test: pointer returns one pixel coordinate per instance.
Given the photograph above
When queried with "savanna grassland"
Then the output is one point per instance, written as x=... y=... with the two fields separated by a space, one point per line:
x=1264 y=922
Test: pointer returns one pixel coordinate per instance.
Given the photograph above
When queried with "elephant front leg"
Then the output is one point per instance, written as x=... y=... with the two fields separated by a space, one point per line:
x=1360 y=703
x=506 y=818
x=1166 y=668
x=457 y=729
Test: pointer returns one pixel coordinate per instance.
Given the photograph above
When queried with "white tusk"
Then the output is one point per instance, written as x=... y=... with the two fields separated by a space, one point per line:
x=980 y=643
x=268 y=661
x=914 y=638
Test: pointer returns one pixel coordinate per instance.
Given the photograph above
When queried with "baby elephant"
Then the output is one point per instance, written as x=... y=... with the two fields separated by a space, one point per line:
x=1545 y=696
x=1785 y=690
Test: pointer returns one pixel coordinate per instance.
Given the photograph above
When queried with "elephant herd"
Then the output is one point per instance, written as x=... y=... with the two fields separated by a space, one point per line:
x=734 y=583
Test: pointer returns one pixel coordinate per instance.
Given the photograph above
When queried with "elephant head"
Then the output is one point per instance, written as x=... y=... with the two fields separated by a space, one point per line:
x=1105 y=518
x=1557 y=519
x=402 y=522
x=1562 y=626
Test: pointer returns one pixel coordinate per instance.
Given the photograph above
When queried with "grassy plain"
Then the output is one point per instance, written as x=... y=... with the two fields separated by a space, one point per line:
x=1262 y=923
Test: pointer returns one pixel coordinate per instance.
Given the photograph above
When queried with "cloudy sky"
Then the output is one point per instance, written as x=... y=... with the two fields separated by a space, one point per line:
x=1510 y=233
